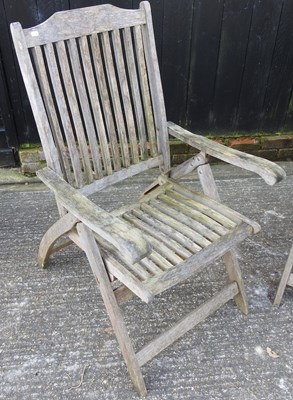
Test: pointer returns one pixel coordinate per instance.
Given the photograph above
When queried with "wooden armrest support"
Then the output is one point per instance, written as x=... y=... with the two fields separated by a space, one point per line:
x=126 y=239
x=268 y=170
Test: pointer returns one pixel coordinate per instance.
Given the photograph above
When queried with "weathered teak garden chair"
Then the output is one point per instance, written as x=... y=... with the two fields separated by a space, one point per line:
x=93 y=81
x=286 y=279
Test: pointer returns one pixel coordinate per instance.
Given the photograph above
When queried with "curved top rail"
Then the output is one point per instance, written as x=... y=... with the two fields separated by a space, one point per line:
x=69 y=24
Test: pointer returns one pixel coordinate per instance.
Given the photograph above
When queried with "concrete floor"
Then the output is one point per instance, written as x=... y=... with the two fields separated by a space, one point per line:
x=55 y=338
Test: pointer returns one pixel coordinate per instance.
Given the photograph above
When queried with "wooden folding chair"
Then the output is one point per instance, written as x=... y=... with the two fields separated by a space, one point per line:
x=286 y=279
x=93 y=81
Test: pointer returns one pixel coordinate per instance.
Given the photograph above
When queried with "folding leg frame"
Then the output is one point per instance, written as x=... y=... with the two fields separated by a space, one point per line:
x=286 y=279
x=135 y=360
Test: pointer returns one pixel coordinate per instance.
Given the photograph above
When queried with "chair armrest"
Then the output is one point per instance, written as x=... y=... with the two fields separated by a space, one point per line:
x=268 y=170
x=127 y=240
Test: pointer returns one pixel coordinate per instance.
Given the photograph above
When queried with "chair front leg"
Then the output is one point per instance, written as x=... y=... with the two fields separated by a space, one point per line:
x=115 y=314
x=230 y=259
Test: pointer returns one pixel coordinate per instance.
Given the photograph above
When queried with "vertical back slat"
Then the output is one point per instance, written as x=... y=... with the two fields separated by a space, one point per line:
x=125 y=95
x=137 y=101
x=74 y=109
x=51 y=111
x=85 y=109
x=100 y=92
x=156 y=85
x=110 y=71
x=97 y=113
x=143 y=78
x=63 y=111
x=105 y=101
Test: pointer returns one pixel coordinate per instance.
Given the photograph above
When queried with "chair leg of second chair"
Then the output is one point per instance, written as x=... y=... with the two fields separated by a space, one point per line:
x=284 y=279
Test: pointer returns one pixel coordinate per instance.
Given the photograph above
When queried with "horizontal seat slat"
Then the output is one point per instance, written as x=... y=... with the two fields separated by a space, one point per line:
x=172 y=244
x=223 y=223
x=186 y=230
x=204 y=225
x=151 y=266
x=210 y=228
x=214 y=205
x=160 y=261
x=168 y=230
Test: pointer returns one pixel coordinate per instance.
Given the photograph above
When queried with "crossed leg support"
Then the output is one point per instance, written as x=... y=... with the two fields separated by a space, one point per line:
x=135 y=360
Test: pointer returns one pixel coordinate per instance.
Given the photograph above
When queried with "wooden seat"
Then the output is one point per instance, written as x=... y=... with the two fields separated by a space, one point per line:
x=93 y=82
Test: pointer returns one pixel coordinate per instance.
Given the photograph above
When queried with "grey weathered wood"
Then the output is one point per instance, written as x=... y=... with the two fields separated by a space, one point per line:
x=105 y=100
x=122 y=236
x=185 y=324
x=203 y=224
x=127 y=278
x=126 y=100
x=230 y=258
x=137 y=101
x=268 y=170
x=60 y=228
x=72 y=98
x=197 y=262
x=286 y=279
x=155 y=84
x=115 y=98
x=177 y=225
x=99 y=87
x=63 y=111
x=181 y=218
x=34 y=96
x=123 y=294
x=146 y=97
x=114 y=312
x=160 y=236
x=121 y=175
x=97 y=113
x=227 y=212
x=65 y=25
x=167 y=230
x=179 y=171
x=51 y=111
x=216 y=220
x=86 y=115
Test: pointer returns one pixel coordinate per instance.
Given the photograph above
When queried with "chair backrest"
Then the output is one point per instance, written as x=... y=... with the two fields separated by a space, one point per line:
x=93 y=82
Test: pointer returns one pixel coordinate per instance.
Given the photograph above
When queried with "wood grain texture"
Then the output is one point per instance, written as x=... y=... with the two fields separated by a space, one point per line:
x=34 y=95
x=286 y=279
x=70 y=24
x=268 y=170
x=114 y=312
x=185 y=324
x=126 y=239
x=60 y=228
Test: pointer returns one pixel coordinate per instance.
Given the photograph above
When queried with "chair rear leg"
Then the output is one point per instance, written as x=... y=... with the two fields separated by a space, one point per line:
x=234 y=273
x=115 y=314
x=60 y=228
